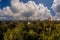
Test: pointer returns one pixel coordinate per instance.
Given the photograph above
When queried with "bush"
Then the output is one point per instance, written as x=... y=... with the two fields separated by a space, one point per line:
x=36 y=30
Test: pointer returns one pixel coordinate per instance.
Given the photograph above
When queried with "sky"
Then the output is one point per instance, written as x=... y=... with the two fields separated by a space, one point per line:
x=48 y=4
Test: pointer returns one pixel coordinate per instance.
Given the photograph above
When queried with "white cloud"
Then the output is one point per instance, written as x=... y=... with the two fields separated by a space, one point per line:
x=30 y=9
x=56 y=8
x=41 y=12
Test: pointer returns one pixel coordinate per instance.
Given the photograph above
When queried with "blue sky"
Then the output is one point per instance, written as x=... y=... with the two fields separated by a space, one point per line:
x=47 y=3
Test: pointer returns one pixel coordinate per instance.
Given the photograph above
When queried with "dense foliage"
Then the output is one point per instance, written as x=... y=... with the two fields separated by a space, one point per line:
x=32 y=30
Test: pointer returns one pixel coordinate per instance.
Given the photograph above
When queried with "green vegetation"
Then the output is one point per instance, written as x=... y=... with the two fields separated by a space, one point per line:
x=35 y=30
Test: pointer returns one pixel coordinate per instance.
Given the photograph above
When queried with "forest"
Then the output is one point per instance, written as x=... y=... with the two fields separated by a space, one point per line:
x=29 y=30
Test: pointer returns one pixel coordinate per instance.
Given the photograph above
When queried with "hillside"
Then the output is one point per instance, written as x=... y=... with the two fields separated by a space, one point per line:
x=32 y=30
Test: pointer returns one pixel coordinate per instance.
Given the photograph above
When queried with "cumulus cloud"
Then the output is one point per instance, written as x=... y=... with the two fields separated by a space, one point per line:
x=19 y=10
x=56 y=8
x=41 y=13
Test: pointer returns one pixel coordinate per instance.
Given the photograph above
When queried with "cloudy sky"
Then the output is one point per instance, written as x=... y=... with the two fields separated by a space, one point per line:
x=33 y=9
